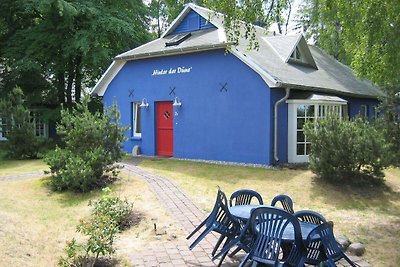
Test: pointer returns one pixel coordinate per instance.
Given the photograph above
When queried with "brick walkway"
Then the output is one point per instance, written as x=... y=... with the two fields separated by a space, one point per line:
x=188 y=215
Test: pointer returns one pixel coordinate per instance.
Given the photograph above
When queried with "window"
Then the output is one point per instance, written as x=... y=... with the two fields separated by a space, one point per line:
x=302 y=111
x=136 y=120
x=3 y=127
x=364 y=111
x=296 y=54
x=40 y=125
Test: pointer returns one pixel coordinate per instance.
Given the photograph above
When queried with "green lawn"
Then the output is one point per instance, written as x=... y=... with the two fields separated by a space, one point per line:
x=369 y=215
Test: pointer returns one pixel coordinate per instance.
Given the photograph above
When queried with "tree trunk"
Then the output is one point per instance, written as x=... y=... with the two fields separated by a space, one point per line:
x=78 y=78
x=71 y=77
x=61 y=87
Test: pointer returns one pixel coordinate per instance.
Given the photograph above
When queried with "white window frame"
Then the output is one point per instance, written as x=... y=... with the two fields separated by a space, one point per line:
x=2 y=134
x=135 y=121
x=40 y=127
x=364 y=111
x=292 y=123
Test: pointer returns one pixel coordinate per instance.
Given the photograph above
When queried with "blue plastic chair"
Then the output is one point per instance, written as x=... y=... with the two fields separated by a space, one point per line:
x=314 y=246
x=330 y=247
x=244 y=197
x=309 y=216
x=221 y=221
x=286 y=202
x=267 y=225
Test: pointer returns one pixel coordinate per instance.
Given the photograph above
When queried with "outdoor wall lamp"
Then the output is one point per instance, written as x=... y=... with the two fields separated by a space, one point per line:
x=144 y=103
x=177 y=102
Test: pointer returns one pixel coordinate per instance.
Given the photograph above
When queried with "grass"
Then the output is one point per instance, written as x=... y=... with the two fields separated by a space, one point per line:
x=13 y=167
x=370 y=215
x=35 y=223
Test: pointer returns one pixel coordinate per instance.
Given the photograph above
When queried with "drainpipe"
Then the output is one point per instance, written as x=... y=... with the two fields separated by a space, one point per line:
x=276 y=123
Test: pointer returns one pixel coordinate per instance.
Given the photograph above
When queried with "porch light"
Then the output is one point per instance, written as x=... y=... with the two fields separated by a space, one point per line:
x=177 y=102
x=144 y=103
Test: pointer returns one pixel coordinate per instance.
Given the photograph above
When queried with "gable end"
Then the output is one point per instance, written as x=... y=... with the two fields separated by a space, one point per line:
x=192 y=22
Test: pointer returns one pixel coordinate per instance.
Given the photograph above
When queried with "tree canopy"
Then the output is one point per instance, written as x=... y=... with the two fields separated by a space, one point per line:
x=54 y=48
x=364 y=34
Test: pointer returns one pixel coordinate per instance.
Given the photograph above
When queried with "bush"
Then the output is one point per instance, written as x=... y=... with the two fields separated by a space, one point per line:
x=346 y=151
x=92 y=146
x=389 y=123
x=21 y=141
x=107 y=219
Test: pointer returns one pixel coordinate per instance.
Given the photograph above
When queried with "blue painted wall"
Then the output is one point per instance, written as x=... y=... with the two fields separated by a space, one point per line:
x=212 y=124
x=354 y=106
x=193 y=22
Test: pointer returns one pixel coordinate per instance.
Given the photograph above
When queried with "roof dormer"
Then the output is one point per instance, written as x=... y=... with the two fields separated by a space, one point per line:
x=292 y=50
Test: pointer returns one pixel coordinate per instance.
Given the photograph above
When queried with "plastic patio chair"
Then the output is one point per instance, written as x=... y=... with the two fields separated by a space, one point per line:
x=309 y=216
x=220 y=220
x=244 y=197
x=267 y=225
x=286 y=202
x=330 y=247
x=314 y=255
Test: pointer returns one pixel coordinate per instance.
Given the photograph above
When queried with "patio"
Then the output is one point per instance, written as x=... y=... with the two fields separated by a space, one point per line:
x=188 y=215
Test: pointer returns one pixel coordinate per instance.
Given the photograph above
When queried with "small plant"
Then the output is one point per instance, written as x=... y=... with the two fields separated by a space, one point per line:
x=109 y=216
x=92 y=146
x=346 y=150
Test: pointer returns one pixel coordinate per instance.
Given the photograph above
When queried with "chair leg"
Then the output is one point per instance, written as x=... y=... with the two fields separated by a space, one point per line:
x=202 y=235
x=222 y=258
x=196 y=229
x=221 y=238
x=245 y=259
x=235 y=251
x=349 y=261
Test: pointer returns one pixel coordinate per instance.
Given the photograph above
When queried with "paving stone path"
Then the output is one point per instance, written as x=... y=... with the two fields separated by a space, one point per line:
x=21 y=176
x=188 y=215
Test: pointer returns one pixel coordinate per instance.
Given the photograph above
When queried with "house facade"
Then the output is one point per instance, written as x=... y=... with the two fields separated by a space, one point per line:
x=190 y=94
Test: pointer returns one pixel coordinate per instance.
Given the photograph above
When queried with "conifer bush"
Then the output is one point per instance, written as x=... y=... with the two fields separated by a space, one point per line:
x=91 y=147
x=349 y=151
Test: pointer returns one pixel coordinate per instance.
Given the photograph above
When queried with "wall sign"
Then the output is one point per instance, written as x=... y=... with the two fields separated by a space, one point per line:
x=170 y=71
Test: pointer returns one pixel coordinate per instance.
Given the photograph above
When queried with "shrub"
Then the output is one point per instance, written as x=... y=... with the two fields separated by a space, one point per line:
x=389 y=123
x=346 y=150
x=92 y=146
x=107 y=219
x=17 y=123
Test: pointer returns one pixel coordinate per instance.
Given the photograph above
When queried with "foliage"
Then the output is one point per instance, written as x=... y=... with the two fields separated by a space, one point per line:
x=106 y=220
x=346 y=150
x=54 y=48
x=92 y=146
x=389 y=123
x=240 y=17
x=18 y=126
x=363 y=34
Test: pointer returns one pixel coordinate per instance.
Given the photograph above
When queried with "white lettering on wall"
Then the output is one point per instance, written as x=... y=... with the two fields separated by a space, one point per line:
x=170 y=71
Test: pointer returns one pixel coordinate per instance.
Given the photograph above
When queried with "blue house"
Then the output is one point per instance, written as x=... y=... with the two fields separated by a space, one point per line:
x=185 y=96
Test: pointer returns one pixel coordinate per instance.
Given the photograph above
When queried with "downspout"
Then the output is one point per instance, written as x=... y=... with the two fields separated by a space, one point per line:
x=276 y=123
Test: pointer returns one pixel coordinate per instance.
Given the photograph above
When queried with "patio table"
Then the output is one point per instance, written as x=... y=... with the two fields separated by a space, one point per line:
x=243 y=212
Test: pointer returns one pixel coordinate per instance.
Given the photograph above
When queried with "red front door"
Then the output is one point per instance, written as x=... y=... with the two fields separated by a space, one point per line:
x=165 y=130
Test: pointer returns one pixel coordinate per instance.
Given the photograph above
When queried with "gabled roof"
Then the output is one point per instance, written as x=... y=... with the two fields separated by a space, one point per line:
x=315 y=71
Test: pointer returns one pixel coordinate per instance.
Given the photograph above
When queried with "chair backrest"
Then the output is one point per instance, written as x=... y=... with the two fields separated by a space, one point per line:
x=286 y=202
x=331 y=247
x=221 y=217
x=310 y=217
x=244 y=197
x=268 y=225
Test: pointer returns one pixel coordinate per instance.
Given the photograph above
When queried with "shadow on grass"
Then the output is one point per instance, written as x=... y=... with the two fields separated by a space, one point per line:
x=358 y=196
x=70 y=198
x=222 y=173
